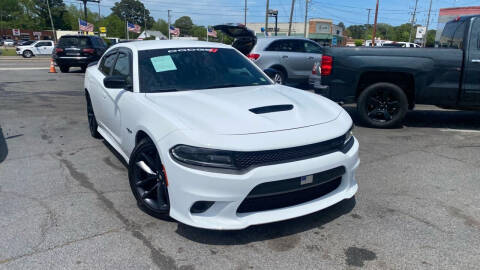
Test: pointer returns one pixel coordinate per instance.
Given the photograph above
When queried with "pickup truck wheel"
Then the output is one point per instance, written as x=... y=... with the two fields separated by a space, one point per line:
x=382 y=105
x=27 y=54
x=148 y=180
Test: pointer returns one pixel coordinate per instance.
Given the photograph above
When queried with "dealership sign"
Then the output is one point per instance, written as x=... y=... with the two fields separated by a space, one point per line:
x=421 y=31
x=16 y=32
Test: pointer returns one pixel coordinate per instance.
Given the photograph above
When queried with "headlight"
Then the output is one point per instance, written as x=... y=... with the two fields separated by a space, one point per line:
x=203 y=156
x=348 y=135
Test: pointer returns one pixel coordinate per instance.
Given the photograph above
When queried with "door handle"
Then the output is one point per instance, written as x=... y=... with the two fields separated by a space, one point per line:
x=311 y=57
x=475 y=60
x=285 y=56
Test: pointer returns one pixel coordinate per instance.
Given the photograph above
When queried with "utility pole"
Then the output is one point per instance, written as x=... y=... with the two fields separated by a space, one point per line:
x=413 y=21
x=428 y=23
x=291 y=16
x=245 y=20
x=266 y=20
x=144 y=21
x=375 y=26
x=99 y=14
x=169 y=23
x=368 y=23
x=51 y=21
x=306 y=15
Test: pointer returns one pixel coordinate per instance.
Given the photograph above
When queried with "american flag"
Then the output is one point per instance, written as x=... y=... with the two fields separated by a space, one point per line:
x=211 y=32
x=174 y=31
x=133 y=27
x=85 y=26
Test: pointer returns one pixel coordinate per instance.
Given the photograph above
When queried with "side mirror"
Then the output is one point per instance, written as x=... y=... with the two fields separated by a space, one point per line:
x=271 y=72
x=116 y=82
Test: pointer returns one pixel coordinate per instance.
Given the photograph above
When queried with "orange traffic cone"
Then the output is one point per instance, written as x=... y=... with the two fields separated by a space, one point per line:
x=52 y=67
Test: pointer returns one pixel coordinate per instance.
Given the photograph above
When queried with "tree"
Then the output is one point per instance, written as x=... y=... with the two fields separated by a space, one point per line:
x=115 y=26
x=161 y=25
x=185 y=25
x=59 y=14
x=200 y=32
x=341 y=25
x=133 y=11
x=431 y=38
x=75 y=13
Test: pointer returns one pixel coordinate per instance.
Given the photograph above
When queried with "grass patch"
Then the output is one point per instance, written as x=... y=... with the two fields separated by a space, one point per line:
x=8 y=51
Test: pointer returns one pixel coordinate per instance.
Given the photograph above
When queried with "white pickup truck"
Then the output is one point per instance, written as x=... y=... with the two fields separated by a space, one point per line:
x=41 y=47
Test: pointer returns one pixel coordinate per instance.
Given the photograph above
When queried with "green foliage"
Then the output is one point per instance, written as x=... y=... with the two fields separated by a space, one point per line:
x=133 y=11
x=384 y=31
x=115 y=26
x=185 y=24
x=161 y=25
x=358 y=42
x=431 y=38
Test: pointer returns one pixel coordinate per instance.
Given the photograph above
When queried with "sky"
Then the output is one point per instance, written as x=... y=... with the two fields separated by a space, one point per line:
x=211 y=12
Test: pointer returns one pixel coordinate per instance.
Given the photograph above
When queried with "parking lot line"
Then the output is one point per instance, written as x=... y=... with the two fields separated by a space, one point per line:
x=24 y=68
x=460 y=130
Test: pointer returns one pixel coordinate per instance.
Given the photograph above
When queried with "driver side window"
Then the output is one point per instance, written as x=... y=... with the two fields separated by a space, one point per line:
x=107 y=63
x=123 y=67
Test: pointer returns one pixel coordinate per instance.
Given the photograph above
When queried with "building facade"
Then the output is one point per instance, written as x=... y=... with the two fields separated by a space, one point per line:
x=323 y=31
x=26 y=34
x=447 y=14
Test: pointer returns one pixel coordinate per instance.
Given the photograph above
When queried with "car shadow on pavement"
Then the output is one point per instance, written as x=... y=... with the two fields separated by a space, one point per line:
x=452 y=119
x=3 y=147
x=268 y=231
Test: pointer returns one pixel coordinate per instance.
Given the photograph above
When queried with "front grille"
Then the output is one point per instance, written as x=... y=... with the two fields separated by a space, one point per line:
x=285 y=193
x=244 y=160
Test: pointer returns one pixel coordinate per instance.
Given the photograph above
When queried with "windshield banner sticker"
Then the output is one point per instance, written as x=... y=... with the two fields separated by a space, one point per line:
x=163 y=63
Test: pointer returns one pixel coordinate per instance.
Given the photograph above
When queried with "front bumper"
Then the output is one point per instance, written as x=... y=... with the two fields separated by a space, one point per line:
x=188 y=185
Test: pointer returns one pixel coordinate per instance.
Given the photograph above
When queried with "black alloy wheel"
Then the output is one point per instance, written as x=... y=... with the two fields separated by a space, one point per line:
x=382 y=105
x=92 y=121
x=148 y=179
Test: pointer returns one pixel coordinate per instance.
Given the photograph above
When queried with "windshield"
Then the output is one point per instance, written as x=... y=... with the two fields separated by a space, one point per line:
x=194 y=69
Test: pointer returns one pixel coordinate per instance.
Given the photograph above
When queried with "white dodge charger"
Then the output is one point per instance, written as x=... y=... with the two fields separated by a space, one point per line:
x=212 y=142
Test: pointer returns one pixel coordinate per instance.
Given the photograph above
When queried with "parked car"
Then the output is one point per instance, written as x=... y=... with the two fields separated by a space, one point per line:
x=387 y=82
x=41 y=47
x=401 y=45
x=211 y=141
x=293 y=57
x=25 y=42
x=8 y=42
x=78 y=51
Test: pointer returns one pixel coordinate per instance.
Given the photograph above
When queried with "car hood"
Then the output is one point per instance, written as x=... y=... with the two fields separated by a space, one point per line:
x=246 y=110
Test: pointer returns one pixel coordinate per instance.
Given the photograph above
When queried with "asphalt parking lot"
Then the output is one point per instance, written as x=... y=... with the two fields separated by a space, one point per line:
x=65 y=201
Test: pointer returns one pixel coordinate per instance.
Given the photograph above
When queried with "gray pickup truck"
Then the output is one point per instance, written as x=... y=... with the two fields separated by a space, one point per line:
x=387 y=82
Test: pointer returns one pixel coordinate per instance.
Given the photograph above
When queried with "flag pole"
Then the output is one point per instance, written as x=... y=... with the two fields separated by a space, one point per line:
x=207 y=33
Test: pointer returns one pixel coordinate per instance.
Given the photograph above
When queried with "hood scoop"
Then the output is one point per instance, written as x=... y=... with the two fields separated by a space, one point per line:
x=272 y=108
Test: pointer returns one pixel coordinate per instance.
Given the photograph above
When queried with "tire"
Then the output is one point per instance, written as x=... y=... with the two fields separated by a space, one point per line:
x=27 y=54
x=64 y=69
x=382 y=105
x=280 y=77
x=149 y=184
x=92 y=121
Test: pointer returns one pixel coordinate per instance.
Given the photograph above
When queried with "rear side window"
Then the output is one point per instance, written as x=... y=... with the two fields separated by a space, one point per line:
x=452 y=35
x=43 y=43
x=286 y=46
x=107 y=63
x=81 y=42
x=311 y=47
x=98 y=42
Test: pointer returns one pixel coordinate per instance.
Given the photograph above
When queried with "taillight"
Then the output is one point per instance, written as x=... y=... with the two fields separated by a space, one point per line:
x=57 y=50
x=88 y=50
x=326 y=66
x=253 y=56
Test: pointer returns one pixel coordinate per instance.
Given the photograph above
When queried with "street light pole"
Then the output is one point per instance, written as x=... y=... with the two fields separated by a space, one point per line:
x=375 y=26
x=413 y=21
x=305 y=23
x=266 y=19
x=169 y=23
x=51 y=21
x=428 y=23
x=291 y=17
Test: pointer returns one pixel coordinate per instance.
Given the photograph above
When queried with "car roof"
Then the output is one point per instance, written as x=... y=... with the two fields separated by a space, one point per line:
x=80 y=36
x=167 y=44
